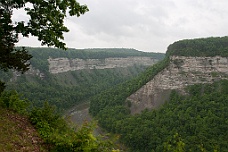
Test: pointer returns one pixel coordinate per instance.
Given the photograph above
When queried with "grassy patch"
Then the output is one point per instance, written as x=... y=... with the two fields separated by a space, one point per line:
x=17 y=134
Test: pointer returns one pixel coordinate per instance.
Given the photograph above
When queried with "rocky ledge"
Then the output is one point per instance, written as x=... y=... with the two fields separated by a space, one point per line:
x=181 y=72
x=59 y=65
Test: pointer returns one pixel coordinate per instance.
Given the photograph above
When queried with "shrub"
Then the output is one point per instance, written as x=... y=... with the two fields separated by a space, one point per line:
x=12 y=100
x=60 y=137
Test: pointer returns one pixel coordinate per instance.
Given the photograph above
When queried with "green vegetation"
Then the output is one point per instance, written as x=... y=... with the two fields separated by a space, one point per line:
x=116 y=96
x=200 y=119
x=45 y=21
x=17 y=133
x=55 y=132
x=197 y=122
x=67 y=89
x=40 y=55
x=200 y=47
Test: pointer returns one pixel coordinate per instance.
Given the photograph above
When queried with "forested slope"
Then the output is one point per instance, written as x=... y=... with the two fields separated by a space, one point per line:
x=17 y=133
x=197 y=121
x=64 y=90
x=200 y=120
x=200 y=47
x=25 y=128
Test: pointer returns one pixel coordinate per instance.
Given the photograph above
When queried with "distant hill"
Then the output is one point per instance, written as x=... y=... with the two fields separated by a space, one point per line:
x=40 y=55
x=200 y=47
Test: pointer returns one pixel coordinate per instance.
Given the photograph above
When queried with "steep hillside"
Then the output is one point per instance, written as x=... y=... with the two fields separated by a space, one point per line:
x=190 y=62
x=17 y=133
x=66 y=78
x=197 y=122
x=199 y=75
x=25 y=128
x=181 y=72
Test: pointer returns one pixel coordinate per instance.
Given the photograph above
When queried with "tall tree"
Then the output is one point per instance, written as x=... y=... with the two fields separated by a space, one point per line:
x=46 y=22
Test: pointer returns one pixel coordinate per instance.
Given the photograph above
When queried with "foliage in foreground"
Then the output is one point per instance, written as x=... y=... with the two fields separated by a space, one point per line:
x=45 y=21
x=17 y=134
x=54 y=130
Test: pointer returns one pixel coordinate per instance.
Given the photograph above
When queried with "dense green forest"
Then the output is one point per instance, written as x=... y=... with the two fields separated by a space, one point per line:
x=194 y=123
x=200 y=120
x=67 y=89
x=200 y=47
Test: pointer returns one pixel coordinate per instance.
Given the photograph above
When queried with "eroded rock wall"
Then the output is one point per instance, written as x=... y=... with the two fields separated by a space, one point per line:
x=181 y=72
x=32 y=71
x=59 y=65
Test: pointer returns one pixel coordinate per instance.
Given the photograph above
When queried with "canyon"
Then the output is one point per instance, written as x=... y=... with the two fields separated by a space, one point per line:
x=61 y=65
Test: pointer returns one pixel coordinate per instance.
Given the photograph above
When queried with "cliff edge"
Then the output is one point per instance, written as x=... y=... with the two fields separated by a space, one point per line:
x=207 y=66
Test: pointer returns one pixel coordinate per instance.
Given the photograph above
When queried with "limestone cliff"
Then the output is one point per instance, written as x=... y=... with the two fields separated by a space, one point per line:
x=32 y=71
x=181 y=72
x=59 y=65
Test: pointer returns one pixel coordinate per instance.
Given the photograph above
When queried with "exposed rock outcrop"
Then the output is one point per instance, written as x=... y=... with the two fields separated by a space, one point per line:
x=181 y=72
x=59 y=65
x=32 y=71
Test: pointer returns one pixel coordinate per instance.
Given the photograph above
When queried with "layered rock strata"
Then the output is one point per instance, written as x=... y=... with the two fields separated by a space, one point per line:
x=32 y=71
x=181 y=72
x=59 y=65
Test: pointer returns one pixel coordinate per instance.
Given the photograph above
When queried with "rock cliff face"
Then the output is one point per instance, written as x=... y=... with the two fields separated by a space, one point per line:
x=32 y=71
x=181 y=72
x=59 y=65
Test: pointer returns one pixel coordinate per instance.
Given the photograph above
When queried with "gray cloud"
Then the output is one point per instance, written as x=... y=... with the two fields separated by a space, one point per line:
x=147 y=25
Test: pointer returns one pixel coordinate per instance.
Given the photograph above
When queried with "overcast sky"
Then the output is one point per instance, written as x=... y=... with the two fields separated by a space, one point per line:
x=146 y=25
